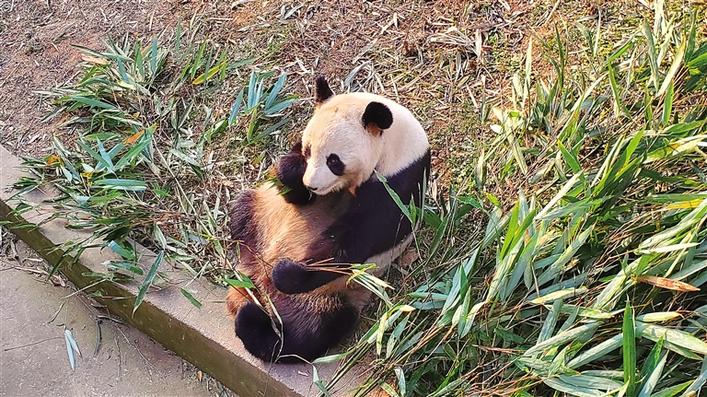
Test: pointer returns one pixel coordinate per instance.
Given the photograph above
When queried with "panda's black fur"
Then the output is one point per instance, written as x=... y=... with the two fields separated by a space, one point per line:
x=297 y=246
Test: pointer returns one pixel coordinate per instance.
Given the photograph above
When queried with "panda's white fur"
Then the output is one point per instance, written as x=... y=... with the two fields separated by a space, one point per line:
x=350 y=219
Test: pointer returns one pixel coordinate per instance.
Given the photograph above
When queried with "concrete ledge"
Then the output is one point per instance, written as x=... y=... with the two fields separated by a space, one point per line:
x=204 y=337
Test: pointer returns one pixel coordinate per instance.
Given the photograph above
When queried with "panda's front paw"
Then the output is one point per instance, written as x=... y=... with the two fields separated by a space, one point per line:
x=297 y=196
x=290 y=171
x=291 y=277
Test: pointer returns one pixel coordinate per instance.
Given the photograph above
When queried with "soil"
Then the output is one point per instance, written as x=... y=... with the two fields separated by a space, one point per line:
x=440 y=58
x=37 y=52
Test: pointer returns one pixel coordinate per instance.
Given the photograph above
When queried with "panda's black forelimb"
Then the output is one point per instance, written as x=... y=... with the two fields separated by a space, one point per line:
x=292 y=277
x=290 y=170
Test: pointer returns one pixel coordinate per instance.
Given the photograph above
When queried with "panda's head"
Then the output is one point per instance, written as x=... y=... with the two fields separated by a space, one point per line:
x=342 y=143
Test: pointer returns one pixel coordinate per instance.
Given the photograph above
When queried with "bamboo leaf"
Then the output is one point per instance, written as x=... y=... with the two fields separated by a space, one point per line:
x=677 y=61
x=652 y=369
x=597 y=352
x=245 y=283
x=629 y=350
x=673 y=337
x=563 y=337
x=149 y=279
x=663 y=282
x=191 y=298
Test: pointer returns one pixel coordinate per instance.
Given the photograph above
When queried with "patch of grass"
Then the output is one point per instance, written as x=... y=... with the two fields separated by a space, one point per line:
x=589 y=277
x=140 y=166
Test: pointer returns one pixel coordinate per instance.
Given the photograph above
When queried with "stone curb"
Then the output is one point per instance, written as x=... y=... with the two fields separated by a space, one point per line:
x=202 y=336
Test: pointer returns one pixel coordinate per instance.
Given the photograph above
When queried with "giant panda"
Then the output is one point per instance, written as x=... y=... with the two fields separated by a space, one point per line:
x=325 y=210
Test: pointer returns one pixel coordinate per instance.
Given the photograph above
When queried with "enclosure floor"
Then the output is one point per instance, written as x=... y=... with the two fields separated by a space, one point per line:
x=33 y=355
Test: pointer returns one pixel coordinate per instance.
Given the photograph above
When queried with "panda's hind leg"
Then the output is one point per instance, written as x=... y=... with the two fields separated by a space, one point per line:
x=306 y=334
x=254 y=328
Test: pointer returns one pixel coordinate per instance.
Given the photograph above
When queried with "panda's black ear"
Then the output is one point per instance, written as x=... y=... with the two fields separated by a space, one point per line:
x=322 y=90
x=377 y=117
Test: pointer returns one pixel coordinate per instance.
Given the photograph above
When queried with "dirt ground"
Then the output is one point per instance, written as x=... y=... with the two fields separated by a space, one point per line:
x=444 y=59
x=37 y=52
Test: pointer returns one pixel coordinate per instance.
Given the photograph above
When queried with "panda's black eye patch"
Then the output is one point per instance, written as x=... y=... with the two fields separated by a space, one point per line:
x=307 y=152
x=335 y=165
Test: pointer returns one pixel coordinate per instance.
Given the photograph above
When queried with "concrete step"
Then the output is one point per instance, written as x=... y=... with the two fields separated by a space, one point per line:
x=115 y=359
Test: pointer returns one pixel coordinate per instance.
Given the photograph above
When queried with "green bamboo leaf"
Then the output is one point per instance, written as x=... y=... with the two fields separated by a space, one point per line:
x=699 y=383
x=572 y=390
x=149 y=279
x=668 y=104
x=689 y=270
x=585 y=381
x=652 y=369
x=191 y=298
x=395 y=336
x=673 y=338
x=658 y=317
x=619 y=107
x=596 y=352
x=125 y=251
x=652 y=54
x=565 y=293
x=629 y=350
x=235 y=108
x=570 y=158
x=587 y=312
x=134 y=151
x=672 y=391
x=619 y=52
x=560 y=194
x=185 y=158
x=125 y=266
x=93 y=103
x=132 y=185
x=677 y=61
x=209 y=74
x=563 y=337
x=550 y=322
x=279 y=107
x=329 y=359
x=558 y=266
x=235 y=283
x=402 y=384
x=394 y=196
x=275 y=91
